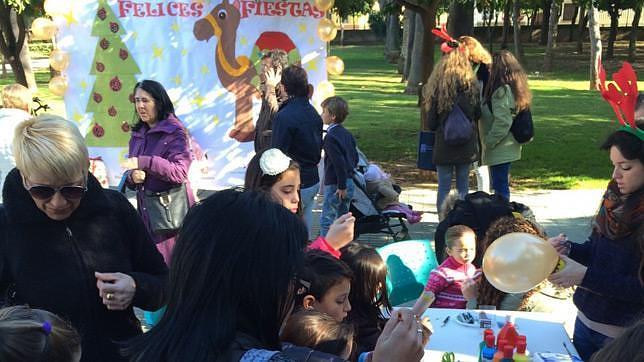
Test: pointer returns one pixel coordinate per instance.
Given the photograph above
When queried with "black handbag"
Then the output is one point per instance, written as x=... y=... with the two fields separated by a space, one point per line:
x=166 y=209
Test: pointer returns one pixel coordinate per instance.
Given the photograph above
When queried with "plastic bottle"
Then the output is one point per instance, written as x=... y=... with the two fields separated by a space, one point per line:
x=482 y=344
x=498 y=355
x=508 y=332
x=521 y=355
x=487 y=354
x=508 y=351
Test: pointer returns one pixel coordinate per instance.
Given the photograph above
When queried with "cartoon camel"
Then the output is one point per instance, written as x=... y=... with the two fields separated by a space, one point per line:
x=235 y=73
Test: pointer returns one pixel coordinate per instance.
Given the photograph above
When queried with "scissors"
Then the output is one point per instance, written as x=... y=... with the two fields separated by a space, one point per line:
x=448 y=357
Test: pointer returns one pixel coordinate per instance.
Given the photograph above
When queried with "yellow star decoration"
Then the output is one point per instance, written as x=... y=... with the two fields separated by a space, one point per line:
x=204 y=69
x=83 y=84
x=157 y=52
x=302 y=27
x=77 y=117
x=135 y=35
x=177 y=80
x=215 y=120
x=198 y=100
x=69 y=17
x=243 y=41
x=175 y=27
x=311 y=40
x=184 y=52
x=311 y=66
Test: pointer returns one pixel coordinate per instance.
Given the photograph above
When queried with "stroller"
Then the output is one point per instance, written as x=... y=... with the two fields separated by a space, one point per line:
x=369 y=219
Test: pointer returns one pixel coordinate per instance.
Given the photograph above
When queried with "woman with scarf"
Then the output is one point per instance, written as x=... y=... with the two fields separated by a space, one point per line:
x=605 y=269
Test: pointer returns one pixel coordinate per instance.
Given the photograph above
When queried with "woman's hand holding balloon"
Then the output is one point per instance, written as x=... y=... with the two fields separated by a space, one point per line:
x=572 y=274
x=560 y=243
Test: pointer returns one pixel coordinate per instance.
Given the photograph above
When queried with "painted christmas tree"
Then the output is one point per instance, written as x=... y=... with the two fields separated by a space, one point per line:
x=111 y=100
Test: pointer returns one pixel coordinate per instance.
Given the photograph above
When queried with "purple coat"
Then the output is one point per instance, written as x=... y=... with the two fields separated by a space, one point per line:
x=164 y=154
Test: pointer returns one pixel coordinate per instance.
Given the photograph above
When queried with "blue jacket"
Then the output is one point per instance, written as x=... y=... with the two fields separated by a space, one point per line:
x=610 y=292
x=340 y=156
x=297 y=131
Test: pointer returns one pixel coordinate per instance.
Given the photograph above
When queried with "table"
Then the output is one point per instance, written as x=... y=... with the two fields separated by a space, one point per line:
x=543 y=331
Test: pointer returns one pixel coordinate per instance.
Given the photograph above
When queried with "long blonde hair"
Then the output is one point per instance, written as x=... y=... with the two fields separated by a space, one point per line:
x=451 y=75
x=477 y=53
x=507 y=70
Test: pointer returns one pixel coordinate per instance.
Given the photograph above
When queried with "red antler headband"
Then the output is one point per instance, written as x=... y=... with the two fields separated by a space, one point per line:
x=624 y=99
x=450 y=43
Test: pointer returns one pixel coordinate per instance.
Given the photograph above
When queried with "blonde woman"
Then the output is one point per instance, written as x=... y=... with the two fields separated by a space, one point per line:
x=71 y=247
x=452 y=83
x=506 y=94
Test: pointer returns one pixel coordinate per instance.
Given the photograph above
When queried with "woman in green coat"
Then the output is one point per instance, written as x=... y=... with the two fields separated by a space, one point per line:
x=505 y=95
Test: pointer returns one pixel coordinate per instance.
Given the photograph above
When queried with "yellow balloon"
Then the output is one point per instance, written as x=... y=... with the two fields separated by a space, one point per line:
x=334 y=65
x=327 y=30
x=58 y=85
x=57 y=7
x=324 y=90
x=517 y=262
x=43 y=29
x=324 y=5
x=59 y=60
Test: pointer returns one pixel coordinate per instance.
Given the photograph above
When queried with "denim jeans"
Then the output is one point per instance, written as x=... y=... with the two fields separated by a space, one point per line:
x=307 y=197
x=445 y=181
x=333 y=206
x=500 y=175
x=587 y=341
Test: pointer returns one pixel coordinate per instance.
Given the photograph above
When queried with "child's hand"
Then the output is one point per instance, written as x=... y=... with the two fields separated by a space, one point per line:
x=341 y=194
x=470 y=289
x=341 y=231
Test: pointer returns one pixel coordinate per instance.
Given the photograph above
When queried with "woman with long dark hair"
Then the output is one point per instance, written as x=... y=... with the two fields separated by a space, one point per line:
x=506 y=94
x=159 y=156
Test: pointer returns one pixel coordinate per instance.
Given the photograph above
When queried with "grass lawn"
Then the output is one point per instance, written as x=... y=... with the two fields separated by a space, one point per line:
x=570 y=121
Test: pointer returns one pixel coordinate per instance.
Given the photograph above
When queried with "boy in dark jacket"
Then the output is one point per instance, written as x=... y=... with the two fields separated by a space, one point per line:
x=340 y=158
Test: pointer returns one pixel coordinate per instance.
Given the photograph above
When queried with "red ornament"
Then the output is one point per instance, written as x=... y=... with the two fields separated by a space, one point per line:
x=98 y=131
x=112 y=111
x=101 y=13
x=115 y=84
x=123 y=54
x=98 y=98
x=100 y=67
x=131 y=97
x=114 y=27
x=125 y=127
x=104 y=44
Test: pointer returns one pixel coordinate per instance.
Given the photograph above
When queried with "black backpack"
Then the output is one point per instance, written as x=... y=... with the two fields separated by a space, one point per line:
x=458 y=128
x=522 y=126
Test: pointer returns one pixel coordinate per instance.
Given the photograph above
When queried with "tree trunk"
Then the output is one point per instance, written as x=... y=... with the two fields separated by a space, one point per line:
x=506 y=23
x=545 y=24
x=595 y=46
x=490 y=14
x=409 y=29
x=583 y=22
x=533 y=20
x=392 y=40
x=461 y=18
x=612 y=35
x=571 y=34
x=12 y=40
x=632 y=39
x=516 y=13
x=341 y=33
x=415 y=76
x=552 y=37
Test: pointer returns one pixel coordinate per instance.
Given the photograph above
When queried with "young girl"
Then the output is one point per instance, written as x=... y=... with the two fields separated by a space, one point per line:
x=319 y=331
x=453 y=282
x=330 y=281
x=505 y=95
x=36 y=335
x=272 y=172
x=369 y=297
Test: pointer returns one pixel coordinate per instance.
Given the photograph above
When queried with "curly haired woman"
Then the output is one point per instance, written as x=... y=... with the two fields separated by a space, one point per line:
x=452 y=83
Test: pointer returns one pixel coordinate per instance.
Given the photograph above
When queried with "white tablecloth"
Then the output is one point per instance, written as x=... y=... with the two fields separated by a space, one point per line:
x=543 y=332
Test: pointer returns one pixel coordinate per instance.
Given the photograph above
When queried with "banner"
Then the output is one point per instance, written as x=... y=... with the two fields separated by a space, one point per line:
x=205 y=53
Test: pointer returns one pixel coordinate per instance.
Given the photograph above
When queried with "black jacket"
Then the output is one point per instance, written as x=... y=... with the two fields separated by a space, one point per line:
x=445 y=154
x=50 y=264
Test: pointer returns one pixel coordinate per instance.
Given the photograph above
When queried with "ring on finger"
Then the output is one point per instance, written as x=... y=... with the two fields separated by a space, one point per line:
x=109 y=296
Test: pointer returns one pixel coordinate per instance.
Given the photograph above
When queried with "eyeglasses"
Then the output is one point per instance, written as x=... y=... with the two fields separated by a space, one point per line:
x=44 y=192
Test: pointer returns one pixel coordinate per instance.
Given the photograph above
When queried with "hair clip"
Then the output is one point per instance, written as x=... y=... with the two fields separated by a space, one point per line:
x=273 y=162
x=623 y=99
x=450 y=43
x=46 y=327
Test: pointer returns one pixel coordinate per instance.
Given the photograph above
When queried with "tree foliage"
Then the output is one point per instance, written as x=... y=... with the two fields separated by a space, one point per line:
x=346 y=8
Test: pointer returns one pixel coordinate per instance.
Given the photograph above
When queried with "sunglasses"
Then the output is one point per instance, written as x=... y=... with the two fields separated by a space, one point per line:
x=44 y=192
